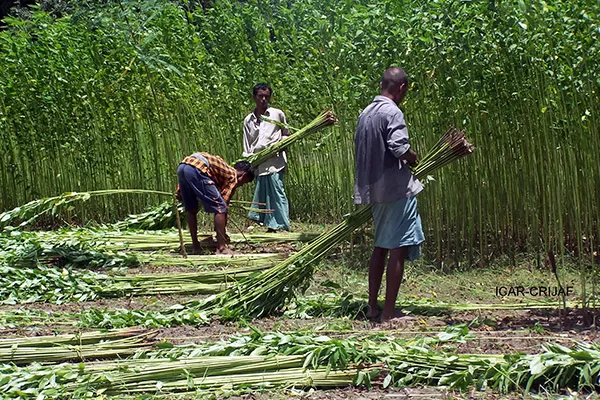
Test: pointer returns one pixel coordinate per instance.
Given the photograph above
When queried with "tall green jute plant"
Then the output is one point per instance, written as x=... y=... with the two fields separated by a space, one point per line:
x=163 y=215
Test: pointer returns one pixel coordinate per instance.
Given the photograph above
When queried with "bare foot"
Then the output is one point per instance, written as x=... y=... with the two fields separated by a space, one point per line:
x=373 y=312
x=196 y=249
x=225 y=251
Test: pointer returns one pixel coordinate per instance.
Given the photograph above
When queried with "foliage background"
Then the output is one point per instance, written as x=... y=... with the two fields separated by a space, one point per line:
x=113 y=94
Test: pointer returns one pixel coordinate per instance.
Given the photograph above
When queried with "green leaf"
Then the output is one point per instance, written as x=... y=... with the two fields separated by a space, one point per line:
x=387 y=381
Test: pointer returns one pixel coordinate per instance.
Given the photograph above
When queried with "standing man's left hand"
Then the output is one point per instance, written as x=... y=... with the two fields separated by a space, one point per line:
x=411 y=158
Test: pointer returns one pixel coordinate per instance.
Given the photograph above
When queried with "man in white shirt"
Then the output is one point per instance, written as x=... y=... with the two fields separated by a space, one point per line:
x=258 y=135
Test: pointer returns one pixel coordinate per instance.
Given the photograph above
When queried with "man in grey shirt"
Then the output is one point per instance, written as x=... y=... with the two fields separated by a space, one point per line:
x=383 y=178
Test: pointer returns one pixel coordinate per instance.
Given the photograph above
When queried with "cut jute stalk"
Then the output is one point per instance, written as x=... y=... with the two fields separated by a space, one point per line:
x=181 y=243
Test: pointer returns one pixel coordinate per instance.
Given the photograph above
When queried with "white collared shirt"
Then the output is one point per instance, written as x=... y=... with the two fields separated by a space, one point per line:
x=259 y=135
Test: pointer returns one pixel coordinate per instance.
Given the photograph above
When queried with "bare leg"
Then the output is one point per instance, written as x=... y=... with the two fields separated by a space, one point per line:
x=220 y=225
x=192 y=220
x=395 y=273
x=376 y=267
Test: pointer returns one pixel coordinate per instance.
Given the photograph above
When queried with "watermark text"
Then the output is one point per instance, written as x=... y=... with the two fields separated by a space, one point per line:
x=535 y=291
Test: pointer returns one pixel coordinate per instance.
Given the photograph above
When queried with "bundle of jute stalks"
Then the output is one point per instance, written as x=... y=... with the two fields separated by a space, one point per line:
x=326 y=118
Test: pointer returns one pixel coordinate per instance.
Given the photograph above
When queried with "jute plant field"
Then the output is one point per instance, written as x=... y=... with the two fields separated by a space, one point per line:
x=99 y=101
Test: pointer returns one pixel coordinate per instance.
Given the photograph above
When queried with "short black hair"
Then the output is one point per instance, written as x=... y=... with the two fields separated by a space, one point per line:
x=263 y=86
x=393 y=77
x=245 y=166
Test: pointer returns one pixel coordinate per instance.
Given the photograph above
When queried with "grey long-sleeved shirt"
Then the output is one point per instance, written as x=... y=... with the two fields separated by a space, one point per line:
x=381 y=138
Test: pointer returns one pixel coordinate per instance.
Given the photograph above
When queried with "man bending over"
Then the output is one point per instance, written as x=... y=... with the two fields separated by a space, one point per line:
x=208 y=178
